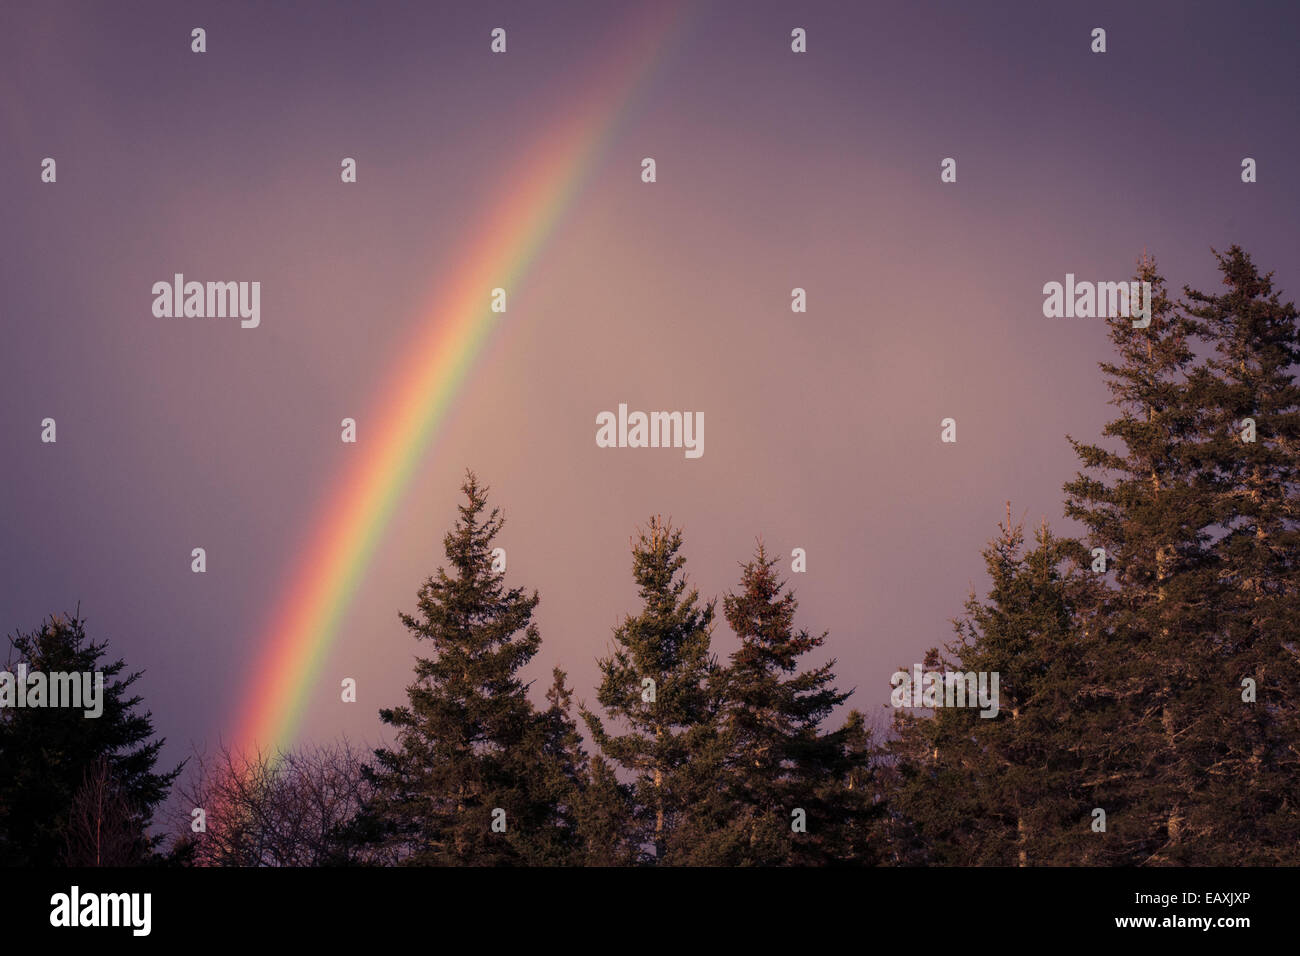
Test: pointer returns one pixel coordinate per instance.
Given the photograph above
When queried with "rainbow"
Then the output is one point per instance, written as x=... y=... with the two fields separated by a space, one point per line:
x=305 y=622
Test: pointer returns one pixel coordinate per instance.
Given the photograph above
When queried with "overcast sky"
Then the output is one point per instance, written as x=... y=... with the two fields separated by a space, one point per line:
x=774 y=170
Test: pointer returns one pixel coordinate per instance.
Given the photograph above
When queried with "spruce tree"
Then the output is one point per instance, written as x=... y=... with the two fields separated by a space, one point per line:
x=1247 y=807
x=557 y=767
x=860 y=802
x=1191 y=537
x=605 y=811
x=1006 y=789
x=469 y=742
x=779 y=760
x=49 y=753
x=590 y=805
x=661 y=683
x=1146 y=504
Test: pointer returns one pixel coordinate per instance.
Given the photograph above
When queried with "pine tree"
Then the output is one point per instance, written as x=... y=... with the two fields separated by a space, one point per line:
x=1005 y=789
x=557 y=766
x=1192 y=529
x=605 y=812
x=861 y=798
x=1248 y=795
x=661 y=682
x=469 y=742
x=1147 y=506
x=779 y=760
x=591 y=807
x=49 y=753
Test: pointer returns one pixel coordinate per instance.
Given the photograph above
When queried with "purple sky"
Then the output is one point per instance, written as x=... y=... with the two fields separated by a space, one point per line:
x=775 y=170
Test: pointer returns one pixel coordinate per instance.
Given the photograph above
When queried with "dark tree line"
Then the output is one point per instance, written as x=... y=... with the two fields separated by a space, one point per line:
x=1162 y=691
x=695 y=761
x=1149 y=674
